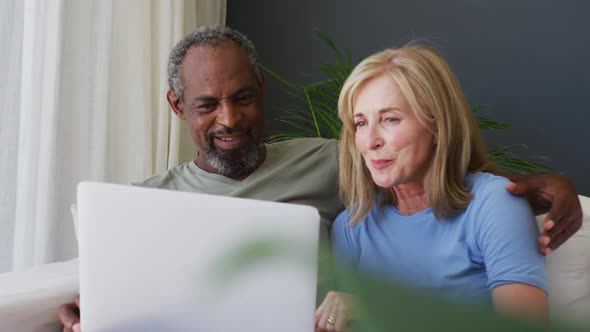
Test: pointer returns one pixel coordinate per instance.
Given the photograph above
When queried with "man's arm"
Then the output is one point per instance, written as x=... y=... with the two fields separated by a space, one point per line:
x=554 y=194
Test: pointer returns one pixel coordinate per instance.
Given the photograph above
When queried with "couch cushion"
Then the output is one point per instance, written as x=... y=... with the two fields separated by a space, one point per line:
x=568 y=270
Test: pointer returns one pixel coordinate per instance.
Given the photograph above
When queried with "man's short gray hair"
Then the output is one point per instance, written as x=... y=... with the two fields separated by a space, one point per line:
x=213 y=36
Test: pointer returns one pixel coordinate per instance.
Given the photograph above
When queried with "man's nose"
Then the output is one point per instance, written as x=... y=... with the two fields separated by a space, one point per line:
x=229 y=115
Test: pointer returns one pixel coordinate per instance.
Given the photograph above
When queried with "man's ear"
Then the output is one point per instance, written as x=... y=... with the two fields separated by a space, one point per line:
x=176 y=104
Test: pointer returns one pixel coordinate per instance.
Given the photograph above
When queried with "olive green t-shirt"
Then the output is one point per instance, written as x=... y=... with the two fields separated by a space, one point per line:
x=299 y=171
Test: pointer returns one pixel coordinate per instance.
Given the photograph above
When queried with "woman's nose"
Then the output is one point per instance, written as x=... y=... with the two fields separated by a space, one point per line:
x=374 y=139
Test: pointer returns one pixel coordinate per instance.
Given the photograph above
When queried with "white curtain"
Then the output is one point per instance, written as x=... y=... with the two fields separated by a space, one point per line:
x=84 y=100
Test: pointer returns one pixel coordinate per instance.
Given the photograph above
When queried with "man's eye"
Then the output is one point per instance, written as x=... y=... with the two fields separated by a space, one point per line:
x=206 y=107
x=244 y=99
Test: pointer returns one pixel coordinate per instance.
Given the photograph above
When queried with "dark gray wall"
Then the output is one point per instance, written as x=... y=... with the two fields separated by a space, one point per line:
x=526 y=60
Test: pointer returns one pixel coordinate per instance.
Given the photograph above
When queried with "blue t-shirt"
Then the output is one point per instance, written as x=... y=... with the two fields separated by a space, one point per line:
x=492 y=243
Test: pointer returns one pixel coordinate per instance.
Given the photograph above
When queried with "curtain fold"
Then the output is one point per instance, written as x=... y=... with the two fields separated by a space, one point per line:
x=11 y=33
x=93 y=85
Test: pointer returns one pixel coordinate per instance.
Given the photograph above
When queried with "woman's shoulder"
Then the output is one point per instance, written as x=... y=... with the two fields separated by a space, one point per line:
x=489 y=193
x=375 y=215
x=342 y=221
x=483 y=181
x=490 y=196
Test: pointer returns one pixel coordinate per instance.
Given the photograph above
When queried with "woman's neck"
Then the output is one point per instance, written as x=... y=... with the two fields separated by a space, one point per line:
x=411 y=198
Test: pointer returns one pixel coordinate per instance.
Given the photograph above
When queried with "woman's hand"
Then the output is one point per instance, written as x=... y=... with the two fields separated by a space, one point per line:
x=334 y=313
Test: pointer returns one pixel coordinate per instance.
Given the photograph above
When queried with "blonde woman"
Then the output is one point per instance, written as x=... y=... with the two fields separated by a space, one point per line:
x=422 y=207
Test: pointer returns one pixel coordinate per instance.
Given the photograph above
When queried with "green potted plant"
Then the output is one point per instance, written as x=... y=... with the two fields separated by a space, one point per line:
x=316 y=114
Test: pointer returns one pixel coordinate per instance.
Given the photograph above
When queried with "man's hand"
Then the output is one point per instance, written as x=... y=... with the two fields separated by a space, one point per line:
x=69 y=315
x=554 y=194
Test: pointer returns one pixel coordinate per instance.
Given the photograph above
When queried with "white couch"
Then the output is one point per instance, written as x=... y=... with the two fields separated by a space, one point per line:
x=568 y=269
x=29 y=299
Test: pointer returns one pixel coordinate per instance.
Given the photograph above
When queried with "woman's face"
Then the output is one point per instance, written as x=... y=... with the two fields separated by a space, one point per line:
x=396 y=147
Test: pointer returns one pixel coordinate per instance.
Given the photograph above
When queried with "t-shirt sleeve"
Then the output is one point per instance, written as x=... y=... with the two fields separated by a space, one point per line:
x=507 y=237
x=343 y=247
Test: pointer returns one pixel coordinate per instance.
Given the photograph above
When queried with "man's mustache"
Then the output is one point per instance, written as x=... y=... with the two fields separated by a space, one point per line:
x=228 y=131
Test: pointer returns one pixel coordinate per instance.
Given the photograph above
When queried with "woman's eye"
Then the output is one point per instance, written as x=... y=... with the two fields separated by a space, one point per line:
x=391 y=119
x=359 y=123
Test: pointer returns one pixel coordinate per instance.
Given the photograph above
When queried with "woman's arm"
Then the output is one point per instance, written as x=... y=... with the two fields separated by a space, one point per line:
x=337 y=309
x=522 y=301
x=506 y=235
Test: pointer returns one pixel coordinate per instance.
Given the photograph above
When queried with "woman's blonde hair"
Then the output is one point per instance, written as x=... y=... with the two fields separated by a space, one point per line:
x=435 y=96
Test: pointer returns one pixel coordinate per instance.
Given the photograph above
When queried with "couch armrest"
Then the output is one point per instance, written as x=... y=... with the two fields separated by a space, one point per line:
x=29 y=299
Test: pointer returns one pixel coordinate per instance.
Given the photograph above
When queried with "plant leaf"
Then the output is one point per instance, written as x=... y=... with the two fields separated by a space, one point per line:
x=317 y=112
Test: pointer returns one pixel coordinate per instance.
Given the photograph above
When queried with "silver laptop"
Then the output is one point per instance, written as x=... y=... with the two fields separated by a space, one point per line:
x=159 y=260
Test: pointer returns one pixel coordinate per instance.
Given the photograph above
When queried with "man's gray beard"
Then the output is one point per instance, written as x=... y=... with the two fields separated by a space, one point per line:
x=234 y=162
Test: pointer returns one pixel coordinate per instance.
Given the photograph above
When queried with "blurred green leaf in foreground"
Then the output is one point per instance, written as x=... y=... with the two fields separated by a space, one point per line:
x=381 y=306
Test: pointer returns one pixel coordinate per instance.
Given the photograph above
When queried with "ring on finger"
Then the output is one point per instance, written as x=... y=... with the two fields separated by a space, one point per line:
x=332 y=320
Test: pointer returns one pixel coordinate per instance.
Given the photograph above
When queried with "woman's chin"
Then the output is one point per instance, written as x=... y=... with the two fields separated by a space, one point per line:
x=384 y=183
